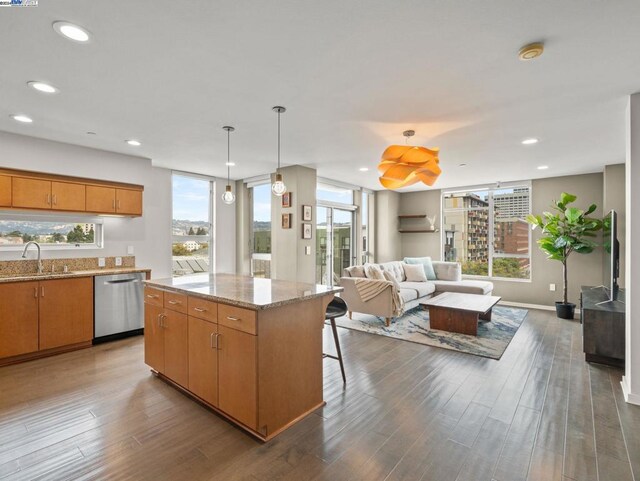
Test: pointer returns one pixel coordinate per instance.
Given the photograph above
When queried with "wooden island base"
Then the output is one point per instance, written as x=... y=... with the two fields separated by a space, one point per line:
x=248 y=349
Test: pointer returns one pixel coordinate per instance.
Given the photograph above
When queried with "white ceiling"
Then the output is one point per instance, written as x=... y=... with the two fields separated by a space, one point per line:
x=352 y=74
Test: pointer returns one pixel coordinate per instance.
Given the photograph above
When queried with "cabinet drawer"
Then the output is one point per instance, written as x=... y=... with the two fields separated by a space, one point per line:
x=152 y=296
x=203 y=309
x=237 y=318
x=175 y=302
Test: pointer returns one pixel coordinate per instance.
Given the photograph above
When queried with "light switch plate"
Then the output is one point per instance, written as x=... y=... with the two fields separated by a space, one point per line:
x=130 y=250
x=118 y=261
x=102 y=262
x=307 y=250
x=552 y=287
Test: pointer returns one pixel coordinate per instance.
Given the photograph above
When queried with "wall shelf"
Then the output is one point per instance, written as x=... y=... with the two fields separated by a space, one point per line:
x=413 y=216
x=414 y=231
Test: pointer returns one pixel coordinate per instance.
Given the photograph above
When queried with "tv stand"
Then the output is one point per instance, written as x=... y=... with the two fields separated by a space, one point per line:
x=603 y=327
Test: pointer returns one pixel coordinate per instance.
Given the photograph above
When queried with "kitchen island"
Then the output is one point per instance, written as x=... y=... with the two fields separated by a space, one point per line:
x=248 y=348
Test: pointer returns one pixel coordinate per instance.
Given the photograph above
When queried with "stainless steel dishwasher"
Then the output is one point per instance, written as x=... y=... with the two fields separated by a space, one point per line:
x=119 y=306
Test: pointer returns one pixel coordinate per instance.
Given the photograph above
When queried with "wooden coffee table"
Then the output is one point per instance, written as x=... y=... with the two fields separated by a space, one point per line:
x=458 y=312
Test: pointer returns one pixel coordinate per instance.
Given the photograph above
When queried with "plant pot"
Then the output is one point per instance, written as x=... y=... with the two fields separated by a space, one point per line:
x=565 y=311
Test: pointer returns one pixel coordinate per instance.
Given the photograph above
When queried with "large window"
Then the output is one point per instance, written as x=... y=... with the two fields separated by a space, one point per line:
x=260 y=201
x=51 y=232
x=485 y=230
x=192 y=224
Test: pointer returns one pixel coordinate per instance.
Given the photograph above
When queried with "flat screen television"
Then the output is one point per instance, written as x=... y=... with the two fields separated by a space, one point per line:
x=611 y=254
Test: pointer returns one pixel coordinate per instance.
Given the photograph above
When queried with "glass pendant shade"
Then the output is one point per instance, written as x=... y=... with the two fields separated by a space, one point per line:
x=228 y=197
x=278 y=188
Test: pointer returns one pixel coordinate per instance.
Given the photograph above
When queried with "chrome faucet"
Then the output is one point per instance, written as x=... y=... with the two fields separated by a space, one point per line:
x=24 y=254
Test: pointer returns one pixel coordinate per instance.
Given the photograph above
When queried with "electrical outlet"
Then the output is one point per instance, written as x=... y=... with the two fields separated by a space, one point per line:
x=102 y=262
x=118 y=261
x=552 y=287
x=130 y=250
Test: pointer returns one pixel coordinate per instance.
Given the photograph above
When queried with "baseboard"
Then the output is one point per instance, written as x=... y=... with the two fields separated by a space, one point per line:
x=629 y=397
x=535 y=306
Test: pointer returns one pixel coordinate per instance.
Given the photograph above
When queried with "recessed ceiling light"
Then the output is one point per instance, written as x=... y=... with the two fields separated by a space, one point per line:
x=135 y=143
x=364 y=169
x=230 y=164
x=22 y=118
x=42 y=87
x=543 y=167
x=462 y=165
x=531 y=51
x=91 y=133
x=71 y=31
x=530 y=141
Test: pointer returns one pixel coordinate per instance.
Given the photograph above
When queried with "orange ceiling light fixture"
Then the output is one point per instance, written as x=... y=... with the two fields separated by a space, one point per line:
x=405 y=165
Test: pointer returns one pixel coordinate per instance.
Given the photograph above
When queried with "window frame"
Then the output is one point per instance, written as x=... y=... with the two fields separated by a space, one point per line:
x=98 y=235
x=490 y=188
x=212 y=216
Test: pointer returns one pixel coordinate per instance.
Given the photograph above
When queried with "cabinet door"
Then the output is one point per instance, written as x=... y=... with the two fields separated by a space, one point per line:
x=5 y=191
x=129 y=202
x=66 y=196
x=203 y=359
x=101 y=199
x=66 y=312
x=18 y=318
x=176 y=341
x=31 y=193
x=237 y=375
x=153 y=337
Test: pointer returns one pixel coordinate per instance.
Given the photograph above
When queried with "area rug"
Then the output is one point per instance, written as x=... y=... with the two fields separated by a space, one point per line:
x=492 y=340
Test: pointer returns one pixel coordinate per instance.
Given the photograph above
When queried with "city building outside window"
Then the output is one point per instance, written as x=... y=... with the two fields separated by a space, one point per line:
x=484 y=229
x=51 y=232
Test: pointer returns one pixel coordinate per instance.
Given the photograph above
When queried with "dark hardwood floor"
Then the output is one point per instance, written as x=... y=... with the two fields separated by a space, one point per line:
x=409 y=412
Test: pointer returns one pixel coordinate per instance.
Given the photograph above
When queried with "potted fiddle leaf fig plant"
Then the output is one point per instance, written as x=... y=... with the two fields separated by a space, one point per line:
x=566 y=230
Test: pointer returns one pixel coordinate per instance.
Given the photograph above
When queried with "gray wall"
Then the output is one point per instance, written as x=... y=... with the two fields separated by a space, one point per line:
x=583 y=269
x=614 y=199
x=387 y=238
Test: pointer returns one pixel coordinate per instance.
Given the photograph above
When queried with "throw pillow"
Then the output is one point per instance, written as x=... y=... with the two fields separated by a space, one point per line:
x=390 y=277
x=356 y=271
x=415 y=273
x=373 y=271
x=426 y=264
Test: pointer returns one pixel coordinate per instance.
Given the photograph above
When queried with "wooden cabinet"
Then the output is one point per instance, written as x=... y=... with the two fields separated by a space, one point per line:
x=237 y=375
x=203 y=359
x=101 y=199
x=18 y=318
x=128 y=202
x=67 y=196
x=174 y=325
x=5 y=191
x=153 y=337
x=21 y=189
x=66 y=312
x=31 y=193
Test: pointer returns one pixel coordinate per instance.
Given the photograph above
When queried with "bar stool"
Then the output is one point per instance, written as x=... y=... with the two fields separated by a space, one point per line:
x=336 y=308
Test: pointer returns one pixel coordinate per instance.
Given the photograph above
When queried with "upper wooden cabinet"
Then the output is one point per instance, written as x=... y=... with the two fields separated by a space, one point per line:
x=31 y=190
x=128 y=202
x=66 y=196
x=5 y=191
x=101 y=199
x=31 y=193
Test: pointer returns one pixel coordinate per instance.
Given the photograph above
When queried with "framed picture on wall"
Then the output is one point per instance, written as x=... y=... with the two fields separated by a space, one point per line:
x=286 y=221
x=307 y=213
x=307 y=231
x=287 y=199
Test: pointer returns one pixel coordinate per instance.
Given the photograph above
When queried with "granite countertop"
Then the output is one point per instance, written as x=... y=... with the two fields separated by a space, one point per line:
x=45 y=276
x=243 y=291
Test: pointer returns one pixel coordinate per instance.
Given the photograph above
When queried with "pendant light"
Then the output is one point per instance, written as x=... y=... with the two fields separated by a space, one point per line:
x=278 y=188
x=228 y=197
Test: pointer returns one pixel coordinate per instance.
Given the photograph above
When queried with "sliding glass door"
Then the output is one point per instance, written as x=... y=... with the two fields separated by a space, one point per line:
x=334 y=243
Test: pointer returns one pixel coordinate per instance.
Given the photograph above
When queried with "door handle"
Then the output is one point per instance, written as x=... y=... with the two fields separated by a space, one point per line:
x=42 y=291
x=218 y=342
x=35 y=292
x=48 y=199
x=175 y=302
x=55 y=199
x=199 y=309
x=233 y=318
x=153 y=296
x=114 y=204
x=118 y=204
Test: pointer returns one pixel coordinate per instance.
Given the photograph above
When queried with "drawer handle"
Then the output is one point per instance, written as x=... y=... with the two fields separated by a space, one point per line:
x=153 y=296
x=175 y=302
x=233 y=318
x=199 y=309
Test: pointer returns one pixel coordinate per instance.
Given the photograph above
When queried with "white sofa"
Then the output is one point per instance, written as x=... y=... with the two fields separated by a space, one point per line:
x=448 y=279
